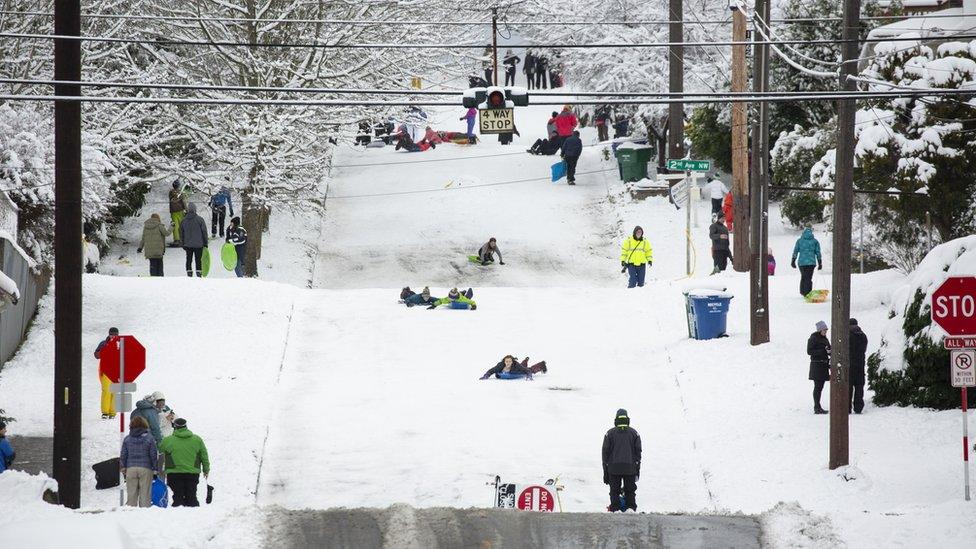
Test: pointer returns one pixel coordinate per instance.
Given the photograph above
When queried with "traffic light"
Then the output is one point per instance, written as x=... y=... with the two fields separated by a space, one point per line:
x=496 y=99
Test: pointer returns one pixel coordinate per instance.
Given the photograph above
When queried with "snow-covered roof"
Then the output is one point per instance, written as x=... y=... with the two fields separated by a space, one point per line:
x=915 y=4
x=929 y=27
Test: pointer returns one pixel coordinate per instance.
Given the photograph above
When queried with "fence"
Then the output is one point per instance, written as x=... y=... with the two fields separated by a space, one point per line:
x=14 y=319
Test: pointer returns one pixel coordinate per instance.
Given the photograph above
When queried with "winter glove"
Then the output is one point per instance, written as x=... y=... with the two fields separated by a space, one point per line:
x=473 y=307
x=432 y=307
x=793 y=263
x=819 y=266
x=138 y=250
x=623 y=264
x=650 y=263
x=486 y=376
x=462 y=118
x=606 y=476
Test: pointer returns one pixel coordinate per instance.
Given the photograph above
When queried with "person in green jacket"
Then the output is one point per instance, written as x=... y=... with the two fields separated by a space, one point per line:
x=806 y=254
x=185 y=455
x=456 y=300
x=153 y=243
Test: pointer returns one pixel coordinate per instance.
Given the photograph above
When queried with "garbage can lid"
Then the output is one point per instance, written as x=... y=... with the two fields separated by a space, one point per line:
x=632 y=145
x=692 y=285
x=709 y=292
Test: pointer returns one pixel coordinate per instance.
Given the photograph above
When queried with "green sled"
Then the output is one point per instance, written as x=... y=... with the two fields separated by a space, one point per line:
x=228 y=256
x=206 y=262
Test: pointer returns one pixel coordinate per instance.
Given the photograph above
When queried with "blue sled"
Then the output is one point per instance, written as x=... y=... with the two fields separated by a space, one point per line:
x=510 y=375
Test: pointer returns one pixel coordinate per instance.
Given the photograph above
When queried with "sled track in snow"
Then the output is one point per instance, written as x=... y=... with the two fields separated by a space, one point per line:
x=402 y=526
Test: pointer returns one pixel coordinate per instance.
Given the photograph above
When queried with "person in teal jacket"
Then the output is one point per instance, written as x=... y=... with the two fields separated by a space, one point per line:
x=806 y=254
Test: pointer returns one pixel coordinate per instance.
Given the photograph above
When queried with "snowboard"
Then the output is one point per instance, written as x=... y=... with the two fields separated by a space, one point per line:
x=558 y=171
x=228 y=256
x=205 y=262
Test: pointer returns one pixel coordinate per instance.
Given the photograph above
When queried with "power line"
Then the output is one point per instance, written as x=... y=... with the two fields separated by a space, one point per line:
x=296 y=45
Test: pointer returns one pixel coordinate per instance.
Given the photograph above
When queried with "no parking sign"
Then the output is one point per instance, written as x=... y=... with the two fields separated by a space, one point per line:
x=963 y=366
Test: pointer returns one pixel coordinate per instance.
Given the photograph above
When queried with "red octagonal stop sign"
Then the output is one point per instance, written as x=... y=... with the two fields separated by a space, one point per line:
x=954 y=306
x=135 y=358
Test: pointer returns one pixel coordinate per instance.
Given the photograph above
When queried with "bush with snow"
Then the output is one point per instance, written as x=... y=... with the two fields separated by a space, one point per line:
x=911 y=368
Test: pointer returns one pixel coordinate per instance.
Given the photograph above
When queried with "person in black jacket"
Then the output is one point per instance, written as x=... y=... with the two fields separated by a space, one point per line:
x=818 y=347
x=621 y=462
x=541 y=72
x=719 y=234
x=859 y=347
x=529 y=69
x=572 y=148
x=510 y=364
x=237 y=236
x=511 y=62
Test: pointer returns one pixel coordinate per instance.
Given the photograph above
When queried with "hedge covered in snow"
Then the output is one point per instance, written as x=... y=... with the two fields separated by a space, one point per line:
x=911 y=368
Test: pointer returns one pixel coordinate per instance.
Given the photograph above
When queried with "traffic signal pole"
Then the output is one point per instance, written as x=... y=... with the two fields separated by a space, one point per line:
x=843 y=212
x=494 y=45
x=758 y=213
x=676 y=79
x=67 y=256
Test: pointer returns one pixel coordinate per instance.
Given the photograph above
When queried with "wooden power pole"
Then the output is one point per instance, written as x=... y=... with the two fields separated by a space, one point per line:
x=759 y=199
x=494 y=46
x=676 y=80
x=740 y=149
x=843 y=222
x=67 y=256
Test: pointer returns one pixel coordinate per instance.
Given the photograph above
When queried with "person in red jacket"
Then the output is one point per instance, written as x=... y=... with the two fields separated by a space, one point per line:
x=566 y=122
x=727 y=210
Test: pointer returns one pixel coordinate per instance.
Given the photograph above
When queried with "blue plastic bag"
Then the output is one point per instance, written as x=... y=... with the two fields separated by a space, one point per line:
x=558 y=171
x=160 y=494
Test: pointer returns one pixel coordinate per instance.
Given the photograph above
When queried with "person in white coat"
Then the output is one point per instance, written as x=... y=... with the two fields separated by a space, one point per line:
x=716 y=191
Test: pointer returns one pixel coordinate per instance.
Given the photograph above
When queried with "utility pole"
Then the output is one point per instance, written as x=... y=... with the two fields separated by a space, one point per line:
x=494 y=45
x=676 y=80
x=758 y=199
x=843 y=214
x=740 y=147
x=67 y=256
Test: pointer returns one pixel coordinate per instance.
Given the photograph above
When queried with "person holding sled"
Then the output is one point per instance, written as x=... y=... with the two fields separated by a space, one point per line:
x=806 y=254
x=635 y=256
x=572 y=149
x=487 y=252
x=456 y=300
x=510 y=364
x=153 y=241
x=719 y=235
x=621 y=463
x=237 y=235
x=818 y=347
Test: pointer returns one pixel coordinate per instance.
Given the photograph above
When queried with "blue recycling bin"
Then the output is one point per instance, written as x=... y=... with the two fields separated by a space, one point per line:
x=707 y=313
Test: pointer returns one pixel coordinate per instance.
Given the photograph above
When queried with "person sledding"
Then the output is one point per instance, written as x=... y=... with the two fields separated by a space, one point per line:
x=456 y=300
x=411 y=298
x=510 y=365
x=487 y=252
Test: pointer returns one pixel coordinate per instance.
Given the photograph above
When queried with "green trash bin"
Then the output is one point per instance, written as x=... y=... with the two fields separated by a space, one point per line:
x=632 y=162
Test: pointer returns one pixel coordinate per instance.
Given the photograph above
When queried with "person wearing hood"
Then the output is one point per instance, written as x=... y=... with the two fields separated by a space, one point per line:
x=487 y=252
x=635 y=256
x=138 y=463
x=147 y=409
x=7 y=454
x=621 y=462
x=572 y=149
x=806 y=254
x=510 y=364
x=412 y=299
x=566 y=122
x=153 y=243
x=237 y=236
x=456 y=300
x=194 y=232
x=818 y=347
x=177 y=210
x=719 y=235
x=511 y=62
x=186 y=455
x=220 y=204
x=107 y=402
x=859 y=348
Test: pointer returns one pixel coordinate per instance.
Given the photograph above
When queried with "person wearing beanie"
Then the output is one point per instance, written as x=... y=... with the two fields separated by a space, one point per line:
x=237 y=236
x=621 y=462
x=859 y=348
x=193 y=231
x=635 y=256
x=153 y=241
x=108 y=404
x=456 y=300
x=412 y=299
x=185 y=455
x=818 y=347
x=177 y=210
x=7 y=454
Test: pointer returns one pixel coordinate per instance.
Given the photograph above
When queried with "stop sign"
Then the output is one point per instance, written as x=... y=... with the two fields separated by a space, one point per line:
x=954 y=305
x=135 y=359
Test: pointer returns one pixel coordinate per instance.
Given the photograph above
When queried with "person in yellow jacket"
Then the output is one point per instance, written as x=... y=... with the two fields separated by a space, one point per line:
x=635 y=257
x=108 y=406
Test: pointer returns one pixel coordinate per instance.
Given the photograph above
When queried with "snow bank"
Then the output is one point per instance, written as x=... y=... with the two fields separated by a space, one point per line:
x=20 y=488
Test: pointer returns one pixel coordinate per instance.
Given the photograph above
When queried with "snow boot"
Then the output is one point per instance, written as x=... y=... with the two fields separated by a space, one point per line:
x=819 y=410
x=538 y=367
x=433 y=145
